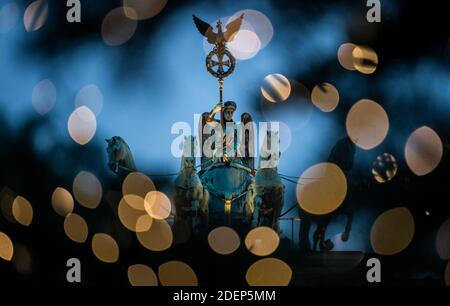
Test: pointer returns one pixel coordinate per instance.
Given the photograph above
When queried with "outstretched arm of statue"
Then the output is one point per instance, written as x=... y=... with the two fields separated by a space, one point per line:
x=214 y=111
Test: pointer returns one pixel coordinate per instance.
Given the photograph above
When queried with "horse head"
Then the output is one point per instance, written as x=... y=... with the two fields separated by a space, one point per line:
x=119 y=155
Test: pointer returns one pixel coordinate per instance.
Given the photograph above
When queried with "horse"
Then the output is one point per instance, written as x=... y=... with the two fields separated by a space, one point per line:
x=342 y=155
x=266 y=196
x=189 y=194
x=120 y=159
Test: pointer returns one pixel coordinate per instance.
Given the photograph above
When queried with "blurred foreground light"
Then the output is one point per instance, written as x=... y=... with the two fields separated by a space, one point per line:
x=105 y=248
x=91 y=97
x=75 y=228
x=325 y=97
x=345 y=56
x=423 y=151
x=223 y=240
x=245 y=45
x=62 y=201
x=269 y=272
x=276 y=88
x=7 y=197
x=443 y=240
x=6 y=247
x=143 y=9
x=365 y=60
x=118 y=28
x=35 y=15
x=87 y=189
x=157 y=205
x=43 y=97
x=82 y=125
x=21 y=259
x=260 y=25
x=447 y=274
x=384 y=168
x=22 y=211
x=321 y=189
x=392 y=231
x=133 y=219
x=367 y=124
x=135 y=188
x=262 y=241
x=142 y=275
x=177 y=273
x=158 y=238
x=9 y=15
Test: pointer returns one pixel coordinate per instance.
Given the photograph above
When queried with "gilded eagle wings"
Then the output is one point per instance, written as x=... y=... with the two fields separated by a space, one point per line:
x=207 y=30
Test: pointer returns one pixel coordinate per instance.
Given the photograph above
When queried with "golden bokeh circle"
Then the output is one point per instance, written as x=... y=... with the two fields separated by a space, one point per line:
x=6 y=247
x=135 y=187
x=105 y=248
x=177 y=273
x=35 y=15
x=118 y=27
x=62 y=201
x=367 y=124
x=269 y=272
x=131 y=217
x=157 y=205
x=158 y=238
x=321 y=189
x=143 y=9
x=262 y=241
x=142 y=275
x=224 y=240
x=276 y=88
x=22 y=211
x=22 y=258
x=423 y=151
x=443 y=240
x=365 y=59
x=345 y=56
x=325 y=97
x=392 y=231
x=76 y=228
x=87 y=189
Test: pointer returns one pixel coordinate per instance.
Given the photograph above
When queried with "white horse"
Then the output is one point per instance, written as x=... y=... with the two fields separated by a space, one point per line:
x=189 y=195
x=120 y=159
x=266 y=195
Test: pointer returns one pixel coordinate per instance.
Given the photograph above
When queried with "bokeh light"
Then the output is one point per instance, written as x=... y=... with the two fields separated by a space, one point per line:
x=367 y=124
x=177 y=273
x=105 y=248
x=135 y=187
x=245 y=45
x=392 y=231
x=321 y=189
x=43 y=96
x=224 y=240
x=118 y=28
x=87 y=189
x=7 y=197
x=262 y=241
x=76 y=228
x=325 y=97
x=143 y=9
x=260 y=25
x=9 y=15
x=269 y=272
x=131 y=217
x=157 y=205
x=62 y=201
x=91 y=97
x=82 y=125
x=22 y=258
x=142 y=275
x=384 y=168
x=276 y=88
x=6 y=247
x=158 y=238
x=443 y=240
x=447 y=274
x=365 y=60
x=35 y=15
x=345 y=56
x=22 y=211
x=423 y=151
